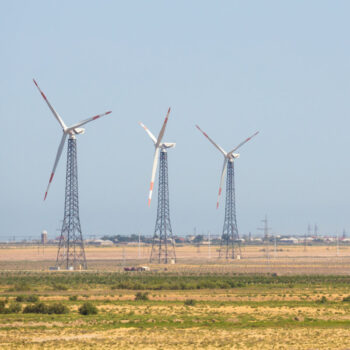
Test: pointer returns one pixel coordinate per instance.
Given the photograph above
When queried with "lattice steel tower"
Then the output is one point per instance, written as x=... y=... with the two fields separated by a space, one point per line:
x=230 y=246
x=162 y=250
x=71 y=252
x=163 y=245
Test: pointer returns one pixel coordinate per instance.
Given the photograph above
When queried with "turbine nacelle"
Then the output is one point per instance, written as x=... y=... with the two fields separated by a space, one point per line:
x=166 y=145
x=233 y=156
x=78 y=131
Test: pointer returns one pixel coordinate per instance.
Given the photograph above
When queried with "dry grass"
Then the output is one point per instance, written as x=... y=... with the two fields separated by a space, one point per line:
x=193 y=338
x=288 y=259
x=248 y=317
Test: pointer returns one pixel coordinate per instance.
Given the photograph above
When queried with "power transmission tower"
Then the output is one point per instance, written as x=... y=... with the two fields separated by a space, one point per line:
x=71 y=252
x=209 y=245
x=266 y=238
x=162 y=252
x=308 y=234
x=230 y=246
x=316 y=230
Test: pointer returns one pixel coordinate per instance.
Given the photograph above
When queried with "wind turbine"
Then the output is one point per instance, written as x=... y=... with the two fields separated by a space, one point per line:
x=160 y=250
x=230 y=231
x=71 y=253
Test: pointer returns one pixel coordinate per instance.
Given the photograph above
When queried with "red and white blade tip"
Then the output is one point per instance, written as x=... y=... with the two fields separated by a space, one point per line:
x=150 y=193
x=217 y=203
x=200 y=130
x=100 y=115
x=203 y=132
x=51 y=177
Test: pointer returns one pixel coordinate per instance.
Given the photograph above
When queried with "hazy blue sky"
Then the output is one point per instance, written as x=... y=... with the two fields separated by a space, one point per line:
x=233 y=67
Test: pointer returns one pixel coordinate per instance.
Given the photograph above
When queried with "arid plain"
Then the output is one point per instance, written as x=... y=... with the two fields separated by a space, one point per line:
x=296 y=299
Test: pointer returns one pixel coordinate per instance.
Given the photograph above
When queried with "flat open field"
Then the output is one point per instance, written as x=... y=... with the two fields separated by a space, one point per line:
x=295 y=300
x=286 y=260
x=182 y=311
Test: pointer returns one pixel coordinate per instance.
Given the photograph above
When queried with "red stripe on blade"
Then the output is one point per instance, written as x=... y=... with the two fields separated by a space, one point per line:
x=51 y=177
x=96 y=117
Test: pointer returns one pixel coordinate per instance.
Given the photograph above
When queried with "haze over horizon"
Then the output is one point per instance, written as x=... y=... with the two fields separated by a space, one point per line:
x=231 y=67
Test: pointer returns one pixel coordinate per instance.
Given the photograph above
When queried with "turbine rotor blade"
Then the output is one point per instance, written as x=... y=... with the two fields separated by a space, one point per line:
x=242 y=143
x=59 y=152
x=154 y=169
x=59 y=119
x=81 y=123
x=215 y=145
x=162 y=130
x=149 y=133
x=221 y=181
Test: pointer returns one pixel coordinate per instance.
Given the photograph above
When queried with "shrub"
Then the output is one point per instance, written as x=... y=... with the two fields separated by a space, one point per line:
x=38 y=308
x=139 y=296
x=28 y=298
x=21 y=287
x=73 y=298
x=322 y=300
x=2 y=306
x=14 y=308
x=59 y=286
x=41 y=308
x=346 y=299
x=58 y=309
x=190 y=302
x=88 y=309
x=32 y=298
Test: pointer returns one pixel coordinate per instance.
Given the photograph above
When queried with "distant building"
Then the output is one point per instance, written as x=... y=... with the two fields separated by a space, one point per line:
x=44 y=237
x=100 y=242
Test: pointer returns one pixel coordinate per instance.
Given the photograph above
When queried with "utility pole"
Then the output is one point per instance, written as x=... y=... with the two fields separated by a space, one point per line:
x=275 y=246
x=337 y=244
x=316 y=230
x=139 y=249
x=209 y=247
x=124 y=256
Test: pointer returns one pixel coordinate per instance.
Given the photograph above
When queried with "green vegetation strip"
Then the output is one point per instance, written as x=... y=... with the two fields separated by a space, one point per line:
x=60 y=281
